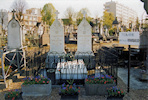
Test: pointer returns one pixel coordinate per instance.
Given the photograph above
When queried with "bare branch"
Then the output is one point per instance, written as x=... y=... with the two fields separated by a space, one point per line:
x=70 y=14
x=19 y=6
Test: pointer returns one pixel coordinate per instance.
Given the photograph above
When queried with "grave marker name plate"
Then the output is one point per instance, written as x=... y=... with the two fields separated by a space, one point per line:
x=129 y=38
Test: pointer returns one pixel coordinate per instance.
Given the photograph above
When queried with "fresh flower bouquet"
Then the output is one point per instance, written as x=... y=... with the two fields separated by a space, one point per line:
x=12 y=95
x=115 y=92
x=68 y=57
x=69 y=89
x=36 y=80
x=103 y=79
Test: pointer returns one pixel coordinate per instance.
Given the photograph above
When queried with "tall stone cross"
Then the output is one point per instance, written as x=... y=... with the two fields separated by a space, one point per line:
x=56 y=14
x=84 y=13
x=13 y=11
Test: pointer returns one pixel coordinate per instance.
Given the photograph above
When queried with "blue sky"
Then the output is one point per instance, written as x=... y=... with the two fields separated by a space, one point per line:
x=95 y=6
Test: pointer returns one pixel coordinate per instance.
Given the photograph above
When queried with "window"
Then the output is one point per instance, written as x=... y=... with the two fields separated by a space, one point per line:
x=35 y=18
x=26 y=17
x=30 y=18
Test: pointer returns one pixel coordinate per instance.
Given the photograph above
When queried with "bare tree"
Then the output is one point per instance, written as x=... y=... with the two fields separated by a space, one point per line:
x=70 y=14
x=79 y=15
x=3 y=20
x=19 y=6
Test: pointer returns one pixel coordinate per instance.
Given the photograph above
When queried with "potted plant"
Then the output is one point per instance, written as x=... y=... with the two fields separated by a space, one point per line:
x=69 y=92
x=68 y=57
x=98 y=85
x=13 y=95
x=115 y=93
x=38 y=86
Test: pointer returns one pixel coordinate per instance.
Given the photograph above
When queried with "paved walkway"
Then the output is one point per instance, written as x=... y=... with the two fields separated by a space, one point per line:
x=135 y=83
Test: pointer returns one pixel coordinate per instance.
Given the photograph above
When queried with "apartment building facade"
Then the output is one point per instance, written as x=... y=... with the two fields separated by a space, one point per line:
x=31 y=18
x=125 y=15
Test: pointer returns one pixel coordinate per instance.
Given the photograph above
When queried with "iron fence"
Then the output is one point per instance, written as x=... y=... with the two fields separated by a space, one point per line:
x=38 y=61
x=108 y=60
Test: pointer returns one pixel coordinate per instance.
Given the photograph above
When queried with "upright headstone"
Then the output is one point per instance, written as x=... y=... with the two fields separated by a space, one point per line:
x=56 y=42
x=57 y=37
x=45 y=35
x=14 y=33
x=122 y=29
x=84 y=38
x=71 y=36
x=1 y=29
x=106 y=32
x=101 y=28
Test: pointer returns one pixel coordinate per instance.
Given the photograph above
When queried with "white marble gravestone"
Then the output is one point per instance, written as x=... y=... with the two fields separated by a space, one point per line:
x=84 y=38
x=56 y=37
x=14 y=34
x=56 y=43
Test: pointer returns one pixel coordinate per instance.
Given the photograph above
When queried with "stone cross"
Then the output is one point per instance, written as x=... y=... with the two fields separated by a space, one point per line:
x=56 y=14
x=13 y=11
x=84 y=13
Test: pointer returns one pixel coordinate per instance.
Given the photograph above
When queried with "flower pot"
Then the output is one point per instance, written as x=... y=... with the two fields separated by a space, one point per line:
x=97 y=89
x=115 y=98
x=69 y=97
x=36 y=90
x=16 y=98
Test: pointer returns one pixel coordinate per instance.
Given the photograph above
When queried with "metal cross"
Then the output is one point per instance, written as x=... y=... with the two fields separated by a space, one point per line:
x=56 y=14
x=84 y=13
x=13 y=11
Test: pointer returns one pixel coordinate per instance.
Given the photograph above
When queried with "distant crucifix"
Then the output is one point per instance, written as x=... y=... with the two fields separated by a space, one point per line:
x=13 y=11
x=84 y=13
x=56 y=14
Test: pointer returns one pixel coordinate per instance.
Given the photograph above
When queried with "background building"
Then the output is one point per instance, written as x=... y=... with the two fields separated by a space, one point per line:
x=125 y=15
x=5 y=17
x=31 y=18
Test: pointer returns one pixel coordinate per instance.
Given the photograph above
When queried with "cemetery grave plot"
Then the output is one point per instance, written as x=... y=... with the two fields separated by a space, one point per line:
x=71 y=70
x=78 y=69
